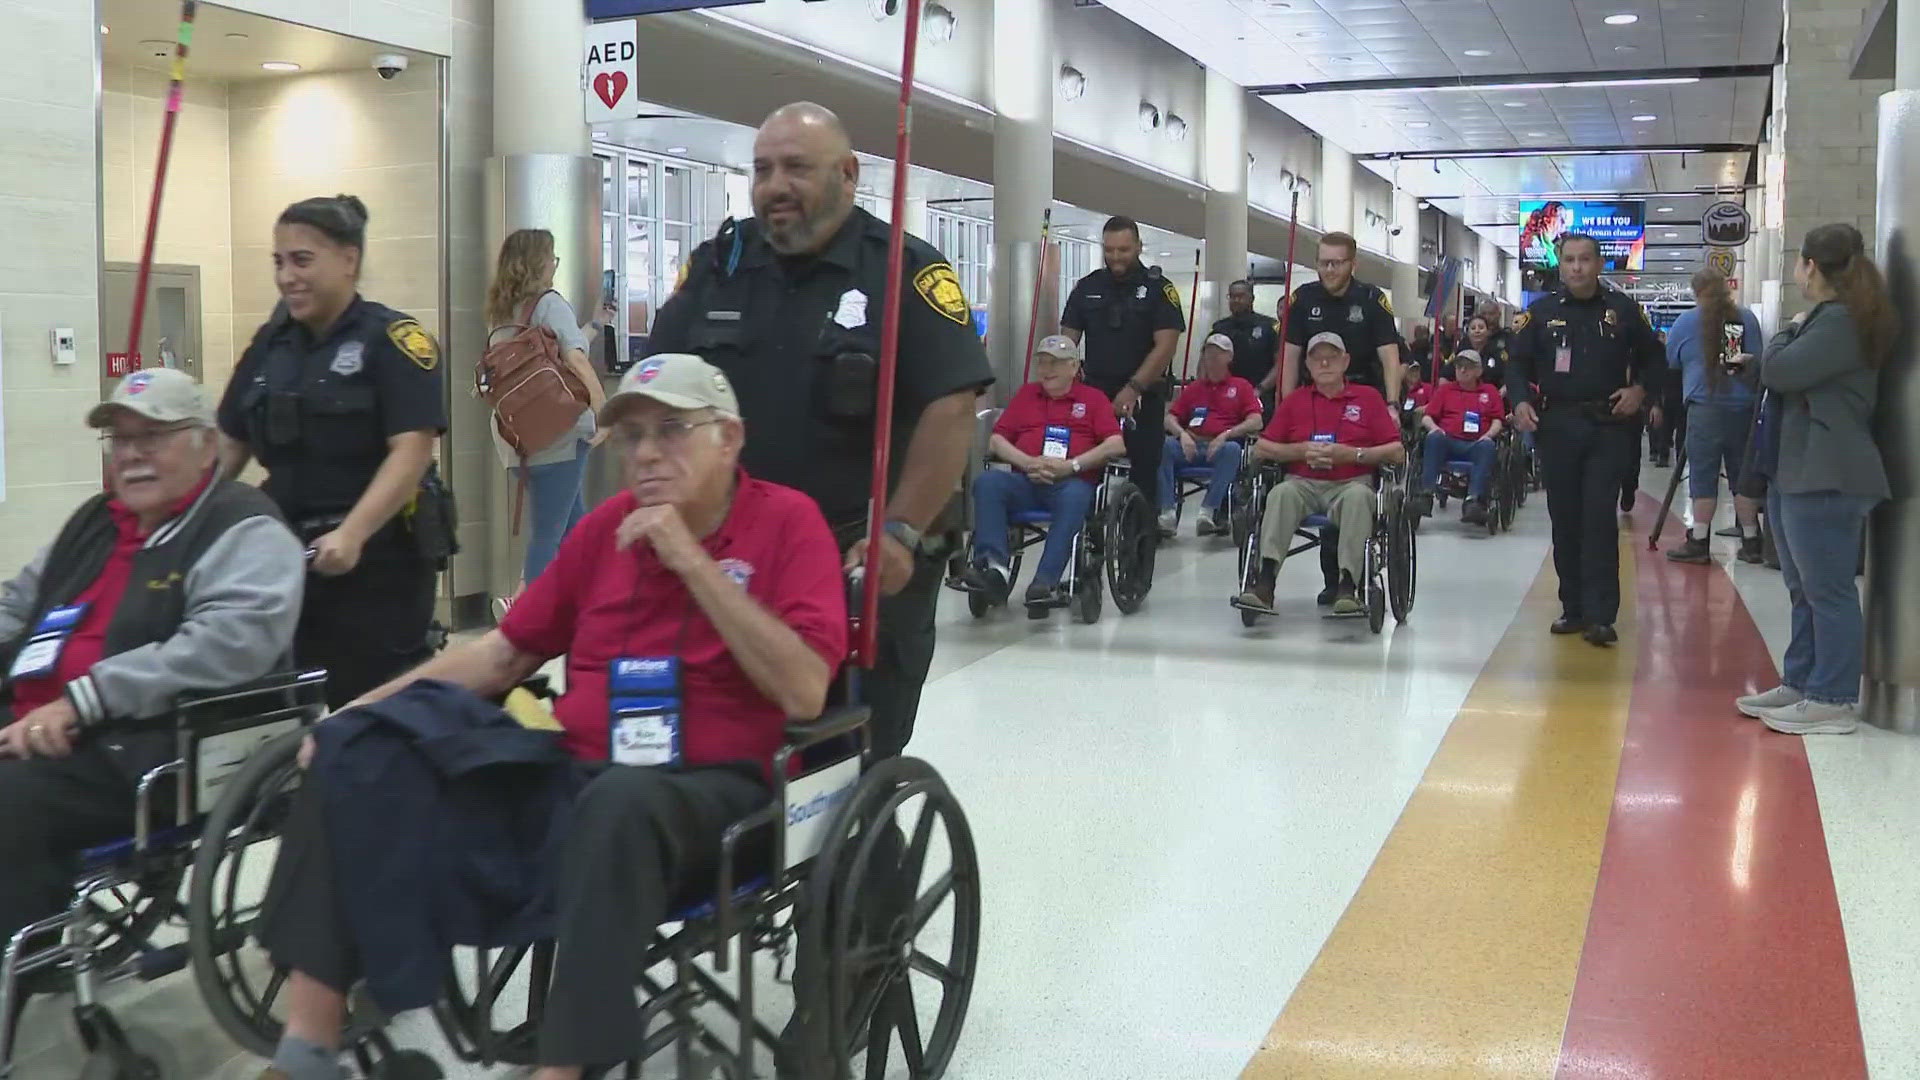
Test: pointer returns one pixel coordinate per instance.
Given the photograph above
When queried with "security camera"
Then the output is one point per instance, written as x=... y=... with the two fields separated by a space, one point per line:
x=389 y=65
x=1394 y=231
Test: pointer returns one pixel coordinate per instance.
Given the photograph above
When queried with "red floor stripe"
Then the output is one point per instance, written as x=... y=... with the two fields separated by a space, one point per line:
x=1714 y=948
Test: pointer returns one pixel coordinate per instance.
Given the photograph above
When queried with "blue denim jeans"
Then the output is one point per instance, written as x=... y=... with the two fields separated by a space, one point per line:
x=1716 y=440
x=1442 y=448
x=1817 y=534
x=555 y=504
x=1225 y=465
x=999 y=493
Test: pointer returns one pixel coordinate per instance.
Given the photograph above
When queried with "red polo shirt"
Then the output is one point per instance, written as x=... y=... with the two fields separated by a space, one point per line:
x=1226 y=403
x=1421 y=396
x=88 y=643
x=596 y=604
x=1453 y=406
x=1083 y=413
x=1356 y=416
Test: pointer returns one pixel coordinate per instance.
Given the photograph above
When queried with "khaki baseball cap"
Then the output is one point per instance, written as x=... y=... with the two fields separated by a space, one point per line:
x=166 y=395
x=678 y=380
x=1326 y=337
x=1219 y=341
x=1058 y=346
x=1469 y=356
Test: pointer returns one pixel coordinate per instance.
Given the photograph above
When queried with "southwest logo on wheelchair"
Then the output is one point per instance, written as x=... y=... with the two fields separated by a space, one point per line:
x=797 y=813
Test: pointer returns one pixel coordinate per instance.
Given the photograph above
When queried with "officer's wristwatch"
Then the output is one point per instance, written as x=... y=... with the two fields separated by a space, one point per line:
x=907 y=536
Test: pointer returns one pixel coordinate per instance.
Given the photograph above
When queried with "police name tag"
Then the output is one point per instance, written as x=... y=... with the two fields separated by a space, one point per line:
x=42 y=650
x=1563 y=359
x=1472 y=423
x=1056 y=445
x=1199 y=416
x=643 y=698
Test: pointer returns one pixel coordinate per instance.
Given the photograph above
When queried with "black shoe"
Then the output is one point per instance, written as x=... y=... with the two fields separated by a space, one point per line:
x=1627 y=497
x=1327 y=595
x=1750 y=551
x=1474 y=512
x=988 y=579
x=1600 y=634
x=1421 y=505
x=1567 y=624
x=1039 y=599
x=1691 y=550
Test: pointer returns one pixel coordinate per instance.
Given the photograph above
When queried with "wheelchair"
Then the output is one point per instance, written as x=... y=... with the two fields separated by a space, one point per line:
x=823 y=835
x=128 y=892
x=1506 y=489
x=1191 y=480
x=1115 y=548
x=1392 y=557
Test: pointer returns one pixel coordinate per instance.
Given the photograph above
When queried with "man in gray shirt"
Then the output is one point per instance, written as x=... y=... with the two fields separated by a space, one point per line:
x=172 y=581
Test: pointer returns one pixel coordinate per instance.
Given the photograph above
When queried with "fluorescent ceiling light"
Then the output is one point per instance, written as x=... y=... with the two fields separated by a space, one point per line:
x=599 y=134
x=1666 y=209
x=1471 y=155
x=1491 y=88
x=1418 y=124
x=1166 y=255
x=1514 y=104
x=1479 y=52
x=279 y=65
x=1673 y=236
x=1645 y=118
x=1621 y=20
x=676 y=149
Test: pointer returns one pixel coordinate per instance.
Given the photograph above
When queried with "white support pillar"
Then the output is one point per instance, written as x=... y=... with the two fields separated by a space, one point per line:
x=1022 y=99
x=537 y=102
x=915 y=221
x=1224 y=166
x=1333 y=192
x=1487 y=263
x=1405 y=249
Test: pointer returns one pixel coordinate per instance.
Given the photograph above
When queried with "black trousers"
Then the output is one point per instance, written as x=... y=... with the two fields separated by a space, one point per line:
x=370 y=624
x=905 y=652
x=50 y=810
x=1146 y=441
x=642 y=842
x=1583 y=461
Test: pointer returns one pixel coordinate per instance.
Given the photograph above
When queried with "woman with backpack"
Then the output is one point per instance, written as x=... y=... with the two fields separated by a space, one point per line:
x=1712 y=348
x=522 y=299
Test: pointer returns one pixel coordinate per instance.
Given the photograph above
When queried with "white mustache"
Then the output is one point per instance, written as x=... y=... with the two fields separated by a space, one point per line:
x=138 y=475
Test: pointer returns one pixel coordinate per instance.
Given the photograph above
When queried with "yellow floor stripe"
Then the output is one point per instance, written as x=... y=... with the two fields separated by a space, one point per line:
x=1457 y=955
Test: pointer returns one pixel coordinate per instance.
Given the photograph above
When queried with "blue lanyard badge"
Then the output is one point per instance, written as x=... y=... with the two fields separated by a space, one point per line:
x=1325 y=438
x=643 y=698
x=1199 y=416
x=1057 y=440
x=1472 y=423
x=41 y=653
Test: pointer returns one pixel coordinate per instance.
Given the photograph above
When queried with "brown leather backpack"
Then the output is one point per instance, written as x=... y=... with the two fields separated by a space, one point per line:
x=536 y=398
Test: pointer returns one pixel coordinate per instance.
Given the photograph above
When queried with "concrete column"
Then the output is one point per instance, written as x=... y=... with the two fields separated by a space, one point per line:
x=1022 y=99
x=542 y=176
x=1892 y=670
x=1333 y=192
x=916 y=217
x=1405 y=249
x=1224 y=169
x=1487 y=262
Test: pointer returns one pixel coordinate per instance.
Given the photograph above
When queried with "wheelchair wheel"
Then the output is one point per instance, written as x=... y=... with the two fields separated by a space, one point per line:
x=1376 y=584
x=881 y=913
x=133 y=1053
x=1085 y=603
x=1402 y=567
x=240 y=986
x=1133 y=535
x=978 y=604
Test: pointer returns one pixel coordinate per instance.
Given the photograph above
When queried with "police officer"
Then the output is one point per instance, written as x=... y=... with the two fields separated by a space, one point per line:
x=1255 y=337
x=1129 y=315
x=1362 y=316
x=1593 y=355
x=1490 y=343
x=789 y=306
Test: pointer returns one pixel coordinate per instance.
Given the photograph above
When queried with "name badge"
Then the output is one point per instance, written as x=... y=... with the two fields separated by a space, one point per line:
x=41 y=653
x=1472 y=425
x=643 y=698
x=1563 y=359
x=1057 y=440
x=1326 y=438
x=1199 y=416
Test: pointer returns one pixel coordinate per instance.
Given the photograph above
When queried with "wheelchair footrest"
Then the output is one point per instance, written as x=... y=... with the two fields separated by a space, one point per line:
x=158 y=963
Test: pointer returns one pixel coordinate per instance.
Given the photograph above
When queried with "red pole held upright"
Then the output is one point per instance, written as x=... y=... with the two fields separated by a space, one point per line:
x=1193 y=305
x=176 y=90
x=1286 y=301
x=869 y=617
x=1039 y=278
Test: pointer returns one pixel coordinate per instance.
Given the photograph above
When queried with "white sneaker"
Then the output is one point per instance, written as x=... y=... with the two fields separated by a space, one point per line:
x=1811 y=718
x=1169 y=521
x=1777 y=698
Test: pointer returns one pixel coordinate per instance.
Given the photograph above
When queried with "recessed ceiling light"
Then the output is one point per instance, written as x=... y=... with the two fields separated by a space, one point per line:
x=236 y=37
x=676 y=149
x=1479 y=52
x=1309 y=35
x=1622 y=20
x=1342 y=59
x=1645 y=118
x=1673 y=236
x=279 y=65
x=1166 y=254
x=1626 y=48
x=1536 y=134
x=1666 y=209
x=599 y=134
x=1418 y=124
x=1514 y=104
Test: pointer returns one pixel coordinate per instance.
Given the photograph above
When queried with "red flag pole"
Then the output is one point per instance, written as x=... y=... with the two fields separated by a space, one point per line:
x=867 y=630
x=176 y=90
x=1193 y=306
x=1039 y=278
x=1286 y=301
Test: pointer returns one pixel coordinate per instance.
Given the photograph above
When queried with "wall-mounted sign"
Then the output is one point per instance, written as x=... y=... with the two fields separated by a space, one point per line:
x=627 y=9
x=612 y=71
x=1721 y=261
x=1726 y=224
x=122 y=363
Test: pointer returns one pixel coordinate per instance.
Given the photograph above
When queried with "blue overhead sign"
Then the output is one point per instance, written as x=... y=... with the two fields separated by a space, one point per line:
x=627 y=9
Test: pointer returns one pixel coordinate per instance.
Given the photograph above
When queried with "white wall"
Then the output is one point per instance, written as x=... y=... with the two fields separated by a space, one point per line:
x=1279 y=143
x=1124 y=66
x=961 y=66
x=1371 y=194
x=426 y=25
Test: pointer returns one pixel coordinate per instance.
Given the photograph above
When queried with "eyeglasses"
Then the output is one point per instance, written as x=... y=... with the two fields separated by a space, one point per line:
x=1334 y=264
x=146 y=442
x=672 y=432
x=1324 y=357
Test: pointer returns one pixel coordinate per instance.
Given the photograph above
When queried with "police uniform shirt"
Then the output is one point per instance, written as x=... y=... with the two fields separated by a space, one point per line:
x=799 y=336
x=1256 y=338
x=1493 y=361
x=1362 y=316
x=1605 y=340
x=375 y=374
x=1117 y=318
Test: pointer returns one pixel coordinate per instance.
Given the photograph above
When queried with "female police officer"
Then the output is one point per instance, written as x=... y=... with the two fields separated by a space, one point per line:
x=340 y=399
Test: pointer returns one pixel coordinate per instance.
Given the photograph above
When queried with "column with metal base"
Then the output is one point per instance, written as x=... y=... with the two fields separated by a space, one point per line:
x=1023 y=81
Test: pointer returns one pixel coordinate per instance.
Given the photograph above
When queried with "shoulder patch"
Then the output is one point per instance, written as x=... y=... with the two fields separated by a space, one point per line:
x=939 y=286
x=1520 y=321
x=410 y=338
x=1385 y=302
x=1172 y=294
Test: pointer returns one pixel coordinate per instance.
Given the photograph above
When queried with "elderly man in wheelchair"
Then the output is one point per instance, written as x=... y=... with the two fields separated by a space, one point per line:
x=170 y=582
x=1462 y=423
x=1332 y=437
x=1058 y=434
x=699 y=612
x=1205 y=426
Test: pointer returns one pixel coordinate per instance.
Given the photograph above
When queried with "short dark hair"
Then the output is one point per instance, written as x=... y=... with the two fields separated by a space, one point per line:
x=1560 y=245
x=1340 y=239
x=1243 y=283
x=1121 y=224
x=341 y=218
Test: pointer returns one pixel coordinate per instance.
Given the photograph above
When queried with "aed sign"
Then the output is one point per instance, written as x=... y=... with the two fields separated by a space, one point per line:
x=611 y=74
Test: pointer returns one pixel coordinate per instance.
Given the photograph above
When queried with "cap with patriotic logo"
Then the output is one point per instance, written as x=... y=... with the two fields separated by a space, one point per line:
x=167 y=395
x=678 y=380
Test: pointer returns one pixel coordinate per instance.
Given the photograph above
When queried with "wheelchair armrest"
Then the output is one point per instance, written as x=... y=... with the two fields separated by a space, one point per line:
x=280 y=682
x=837 y=721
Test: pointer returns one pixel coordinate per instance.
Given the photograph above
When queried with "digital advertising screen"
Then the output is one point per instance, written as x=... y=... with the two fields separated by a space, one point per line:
x=1619 y=225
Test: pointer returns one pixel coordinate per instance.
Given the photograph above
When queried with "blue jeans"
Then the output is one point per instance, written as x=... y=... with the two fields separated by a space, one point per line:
x=1442 y=448
x=999 y=493
x=1817 y=534
x=1225 y=464
x=555 y=504
x=1716 y=439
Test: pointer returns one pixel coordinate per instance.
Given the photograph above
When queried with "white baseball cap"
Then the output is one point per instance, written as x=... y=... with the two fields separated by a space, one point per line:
x=1469 y=356
x=1219 y=341
x=167 y=395
x=677 y=380
x=1058 y=346
x=1326 y=337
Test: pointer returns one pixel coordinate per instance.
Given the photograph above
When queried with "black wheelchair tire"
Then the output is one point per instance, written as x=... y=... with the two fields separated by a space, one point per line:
x=978 y=604
x=1085 y=603
x=1376 y=608
x=1249 y=618
x=1133 y=536
x=1402 y=568
x=152 y=1058
x=826 y=925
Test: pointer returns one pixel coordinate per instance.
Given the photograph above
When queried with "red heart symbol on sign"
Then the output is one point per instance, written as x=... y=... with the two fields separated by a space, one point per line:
x=610 y=86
